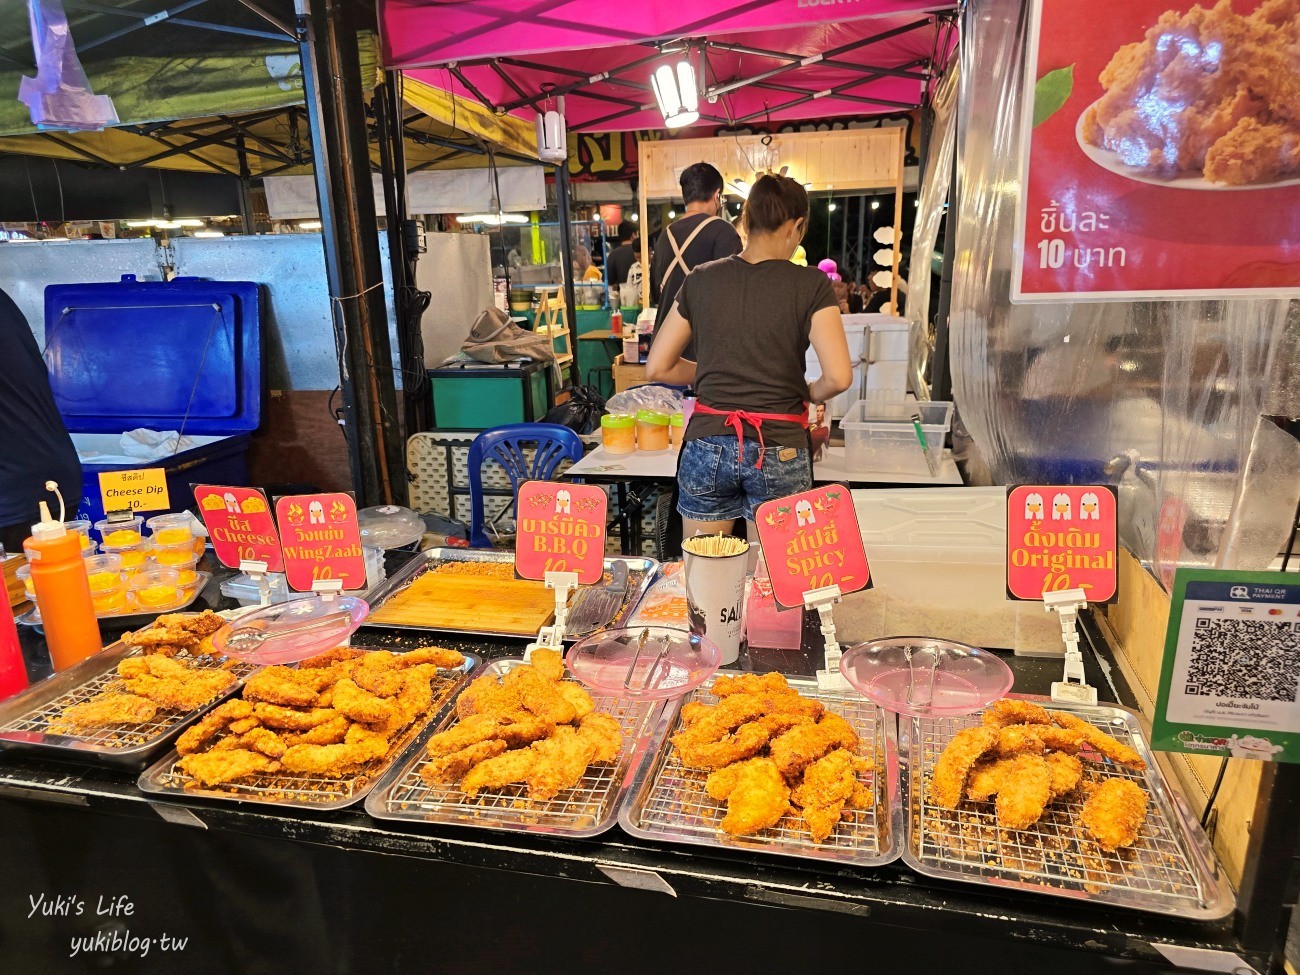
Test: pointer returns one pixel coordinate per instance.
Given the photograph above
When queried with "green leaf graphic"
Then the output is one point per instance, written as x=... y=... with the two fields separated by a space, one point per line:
x=1051 y=93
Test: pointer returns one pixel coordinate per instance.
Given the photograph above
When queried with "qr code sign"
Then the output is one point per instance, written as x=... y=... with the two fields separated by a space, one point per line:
x=1258 y=660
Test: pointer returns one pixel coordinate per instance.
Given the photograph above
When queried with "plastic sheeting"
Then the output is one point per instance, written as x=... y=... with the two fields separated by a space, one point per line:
x=1162 y=399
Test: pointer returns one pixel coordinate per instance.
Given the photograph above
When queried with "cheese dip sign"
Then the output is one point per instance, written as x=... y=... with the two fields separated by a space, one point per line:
x=810 y=541
x=1061 y=537
x=561 y=528
x=240 y=525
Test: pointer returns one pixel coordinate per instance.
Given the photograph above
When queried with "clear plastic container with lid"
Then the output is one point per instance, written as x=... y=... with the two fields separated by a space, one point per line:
x=134 y=557
x=651 y=430
x=676 y=429
x=107 y=586
x=118 y=534
x=389 y=526
x=174 y=555
x=618 y=433
x=24 y=575
x=156 y=590
x=171 y=529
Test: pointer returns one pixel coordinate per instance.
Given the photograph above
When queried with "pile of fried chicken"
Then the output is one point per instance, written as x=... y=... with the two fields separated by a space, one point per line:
x=531 y=727
x=769 y=749
x=154 y=681
x=1025 y=757
x=331 y=715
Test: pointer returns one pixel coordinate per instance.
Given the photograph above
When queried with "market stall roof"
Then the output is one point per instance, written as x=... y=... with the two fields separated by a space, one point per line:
x=763 y=62
x=191 y=93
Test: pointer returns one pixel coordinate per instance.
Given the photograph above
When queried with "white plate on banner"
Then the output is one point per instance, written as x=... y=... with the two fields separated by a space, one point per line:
x=1110 y=160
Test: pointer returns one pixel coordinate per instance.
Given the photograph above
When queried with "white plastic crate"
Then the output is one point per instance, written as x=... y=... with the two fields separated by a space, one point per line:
x=879 y=435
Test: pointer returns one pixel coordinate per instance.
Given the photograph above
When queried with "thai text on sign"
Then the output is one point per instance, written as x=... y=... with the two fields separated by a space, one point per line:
x=1061 y=537
x=321 y=540
x=561 y=528
x=811 y=541
x=240 y=525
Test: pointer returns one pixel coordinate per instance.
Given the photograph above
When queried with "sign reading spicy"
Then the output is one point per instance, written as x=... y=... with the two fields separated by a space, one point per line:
x=810 y=541
x=561 y=528
x=1061 y=537
x=240 y=525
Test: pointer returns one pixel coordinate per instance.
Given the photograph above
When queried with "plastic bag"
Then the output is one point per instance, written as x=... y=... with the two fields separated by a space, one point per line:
x=59 y=97
x=665 y=603
x=661 y=399
x=581 y=413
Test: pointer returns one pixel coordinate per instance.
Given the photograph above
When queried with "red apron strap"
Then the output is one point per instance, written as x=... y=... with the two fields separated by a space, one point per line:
x=736 y=419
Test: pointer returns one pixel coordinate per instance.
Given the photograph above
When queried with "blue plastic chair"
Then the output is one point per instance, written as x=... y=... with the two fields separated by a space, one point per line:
x=505 y=445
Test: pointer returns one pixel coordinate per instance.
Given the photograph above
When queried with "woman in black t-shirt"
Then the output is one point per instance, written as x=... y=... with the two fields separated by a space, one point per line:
x=752 y=318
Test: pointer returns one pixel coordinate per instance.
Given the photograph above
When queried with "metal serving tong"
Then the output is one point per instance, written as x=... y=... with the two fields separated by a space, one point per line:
x=249 y=637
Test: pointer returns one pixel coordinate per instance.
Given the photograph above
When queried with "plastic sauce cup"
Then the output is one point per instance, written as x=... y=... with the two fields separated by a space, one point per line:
x=651 y=430
x=676 y=429
x=618 y=433
x=171 y=529
x=174 y=556
x=156 y=589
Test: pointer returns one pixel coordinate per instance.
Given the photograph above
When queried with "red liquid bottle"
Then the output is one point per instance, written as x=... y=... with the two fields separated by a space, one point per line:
x=13 y=670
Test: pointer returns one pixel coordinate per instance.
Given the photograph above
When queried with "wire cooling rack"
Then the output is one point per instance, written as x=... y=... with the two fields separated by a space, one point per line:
x=1169 y=870
x=669 y=803
x=587 y=809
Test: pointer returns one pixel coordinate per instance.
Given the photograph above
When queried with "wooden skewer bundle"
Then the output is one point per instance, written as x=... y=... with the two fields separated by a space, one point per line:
x=715 y=546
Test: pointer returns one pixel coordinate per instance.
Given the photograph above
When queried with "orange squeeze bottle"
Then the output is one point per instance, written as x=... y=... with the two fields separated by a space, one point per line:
x=62 y=590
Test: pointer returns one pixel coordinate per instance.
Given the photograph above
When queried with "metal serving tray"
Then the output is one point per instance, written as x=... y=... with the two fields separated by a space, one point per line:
x=641 y=574
x=25 y=718
x=667 y=802
x=201 y=579
x=1170 y=870
x=314 y=792
x=588 y=809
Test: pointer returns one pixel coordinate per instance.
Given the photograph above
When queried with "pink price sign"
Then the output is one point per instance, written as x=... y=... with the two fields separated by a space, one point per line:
x=1061 y=537
x=811 y=541
x=561 y=528
x=239 y=523
x=321 y=540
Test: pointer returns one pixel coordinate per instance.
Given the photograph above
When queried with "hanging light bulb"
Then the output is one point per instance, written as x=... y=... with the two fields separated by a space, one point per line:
x=672 y=214
x=875 y=204
x=636 y=217
x=832 y=206
x=677 y=93
x=552 y=138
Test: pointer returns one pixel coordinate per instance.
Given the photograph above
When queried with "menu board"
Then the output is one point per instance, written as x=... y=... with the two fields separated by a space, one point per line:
x=561 y=528
x=1145 y=170
x=321 y=539
x=811 y=541
x=1062 y=536
x=240 y=525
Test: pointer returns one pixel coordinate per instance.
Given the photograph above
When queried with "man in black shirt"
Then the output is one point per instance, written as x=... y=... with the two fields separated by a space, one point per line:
x=622 y=257
x=34 y=443
x=696 y=238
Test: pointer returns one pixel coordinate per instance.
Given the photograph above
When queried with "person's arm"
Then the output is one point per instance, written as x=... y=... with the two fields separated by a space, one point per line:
x=665 y=364
x=832 y=348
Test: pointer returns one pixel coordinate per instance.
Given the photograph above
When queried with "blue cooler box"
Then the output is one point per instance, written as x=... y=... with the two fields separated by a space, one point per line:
x=181 y=355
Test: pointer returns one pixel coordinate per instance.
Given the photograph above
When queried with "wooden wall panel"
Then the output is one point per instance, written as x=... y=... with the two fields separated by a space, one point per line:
x=299 y=441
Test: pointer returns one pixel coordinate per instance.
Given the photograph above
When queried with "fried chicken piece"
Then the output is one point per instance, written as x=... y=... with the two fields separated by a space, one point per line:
x=539 y=696
x=948 y=782
x=604 y=733
x=487 y=697
x=1253 y=152
x=244 y=724
x=505 y=769
x=749 y=739
x=106 y=709
x=1016 y=740
x=772 y=683
x=743 y=707
x=262 y=740
x=200 y=624
x=333 y=760
x=206 y=648
x=483 y=727
x=154 y=665
x=1114 y=813
x=692 y=711
x=329 y=658
x=1024 y=790
x=828 y=785
x=194 y=690
x=212 y=724
x=219 y=767
x=289 y=719
x=330 y=732
x=548 y=663
x=1066 y=772
x=360 y=705
x=757 y=797
x=1059 y=739
x=159 y=635
x=800 y=747
x=986 y=778
x=1110 y=749
x=1010 y=711
x=283 y=685
x=561 y=761
x=577 y=696
x=452 y=768
x=439 y=657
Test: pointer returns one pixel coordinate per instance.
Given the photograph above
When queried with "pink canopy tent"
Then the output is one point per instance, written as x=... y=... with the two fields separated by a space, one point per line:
x=768 y=61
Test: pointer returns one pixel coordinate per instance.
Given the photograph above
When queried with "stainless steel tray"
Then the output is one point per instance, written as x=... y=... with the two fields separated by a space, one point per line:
x=641 y=574
x=667 y=802
x=588 y=809
x=201 y=579
x=25 y=718
x=1171 y=869
x=294 y=791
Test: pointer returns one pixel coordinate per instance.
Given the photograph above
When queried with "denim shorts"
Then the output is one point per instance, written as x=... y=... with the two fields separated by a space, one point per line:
x=715 y=484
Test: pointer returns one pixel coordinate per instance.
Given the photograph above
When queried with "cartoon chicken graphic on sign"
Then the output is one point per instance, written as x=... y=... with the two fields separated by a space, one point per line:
x=1061 y=509
x=1034 y=506
x=1089 y=507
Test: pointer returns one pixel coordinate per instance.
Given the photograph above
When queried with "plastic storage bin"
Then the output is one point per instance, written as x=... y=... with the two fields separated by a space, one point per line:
x=938 y=568
x=879 y=435
x=198 y=344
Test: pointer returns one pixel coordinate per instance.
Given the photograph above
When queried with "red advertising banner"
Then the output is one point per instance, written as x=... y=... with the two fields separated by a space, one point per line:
x=239 y=523
x=1158 y=155
x=810 y=541
x=561 y=528
x=321 y=540
x=1061 y=537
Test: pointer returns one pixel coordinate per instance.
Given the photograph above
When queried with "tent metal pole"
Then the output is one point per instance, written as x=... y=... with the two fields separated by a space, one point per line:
x=245 y=200
x=566 y=255
x=331 y=71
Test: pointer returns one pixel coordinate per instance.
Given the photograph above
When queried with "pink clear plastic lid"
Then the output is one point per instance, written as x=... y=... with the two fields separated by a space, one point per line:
x=923 y=677
x=291 y=631
x=650 y=663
